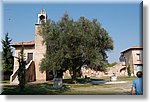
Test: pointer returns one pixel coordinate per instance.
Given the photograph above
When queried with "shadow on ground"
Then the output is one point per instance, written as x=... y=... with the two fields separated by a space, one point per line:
x=81 y=81
x=34 y=89
x=42 y=88
x=82 y=87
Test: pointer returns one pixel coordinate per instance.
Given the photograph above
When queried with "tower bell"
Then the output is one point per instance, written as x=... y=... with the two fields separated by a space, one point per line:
x=42 y=16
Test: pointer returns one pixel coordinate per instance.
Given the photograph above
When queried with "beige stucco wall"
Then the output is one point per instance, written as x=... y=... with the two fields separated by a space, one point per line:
x=132 y=59
x=135 y=58
x=129 y=59
x=40 y=50
x=27 y=49
x=136 y=61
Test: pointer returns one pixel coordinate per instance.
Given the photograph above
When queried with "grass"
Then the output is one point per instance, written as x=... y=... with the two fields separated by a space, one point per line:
x=126 y=78
x=36 y=89
x=71 y=89
x=5 y=81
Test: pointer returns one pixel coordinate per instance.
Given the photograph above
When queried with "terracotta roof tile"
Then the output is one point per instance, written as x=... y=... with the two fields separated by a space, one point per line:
x=24 y=43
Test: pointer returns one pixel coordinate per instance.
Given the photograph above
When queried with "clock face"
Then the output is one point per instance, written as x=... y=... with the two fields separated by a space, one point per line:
x=42 y=17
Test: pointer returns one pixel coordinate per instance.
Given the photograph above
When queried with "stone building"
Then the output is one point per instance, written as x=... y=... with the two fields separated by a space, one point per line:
x=34 y=51
x=133 y=57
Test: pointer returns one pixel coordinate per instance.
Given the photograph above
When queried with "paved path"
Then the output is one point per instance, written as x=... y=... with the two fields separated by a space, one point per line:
x=106 y=88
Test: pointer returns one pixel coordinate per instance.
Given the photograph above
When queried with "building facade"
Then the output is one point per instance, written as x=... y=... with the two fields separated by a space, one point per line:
x=33 y=51
x=134 y=58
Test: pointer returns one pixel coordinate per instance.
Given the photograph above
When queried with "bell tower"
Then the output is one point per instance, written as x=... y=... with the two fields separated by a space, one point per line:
x=42 y=16
x=40 y=47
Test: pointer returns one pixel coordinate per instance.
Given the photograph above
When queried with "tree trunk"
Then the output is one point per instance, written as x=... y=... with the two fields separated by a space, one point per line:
x=74 y=76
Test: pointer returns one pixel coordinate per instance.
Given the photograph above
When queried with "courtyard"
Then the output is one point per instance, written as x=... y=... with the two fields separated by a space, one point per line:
x=120 y=87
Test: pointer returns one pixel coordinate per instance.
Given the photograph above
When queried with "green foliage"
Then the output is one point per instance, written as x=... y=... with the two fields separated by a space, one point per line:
x=21 y=70
x=112 y=64
x=7 y=58
x=70 y=44
x=129 y=70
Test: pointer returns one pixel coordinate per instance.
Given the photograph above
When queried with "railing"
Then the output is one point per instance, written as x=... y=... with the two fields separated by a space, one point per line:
x=28 y=67
x=13 y=76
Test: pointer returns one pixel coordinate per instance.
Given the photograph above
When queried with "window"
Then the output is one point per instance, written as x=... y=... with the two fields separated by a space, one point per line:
x=29 y=57
x=138 y=56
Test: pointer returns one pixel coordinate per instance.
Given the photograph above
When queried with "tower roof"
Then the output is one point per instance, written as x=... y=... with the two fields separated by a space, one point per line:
x=43 y=11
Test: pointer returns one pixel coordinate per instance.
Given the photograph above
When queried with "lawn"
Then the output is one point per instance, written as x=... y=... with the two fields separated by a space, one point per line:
x=46 y=88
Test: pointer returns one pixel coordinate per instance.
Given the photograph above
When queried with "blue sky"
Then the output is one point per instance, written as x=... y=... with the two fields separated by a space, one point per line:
x=121 y=20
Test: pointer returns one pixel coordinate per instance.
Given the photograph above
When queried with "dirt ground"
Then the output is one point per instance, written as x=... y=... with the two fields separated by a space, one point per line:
x=102 y=89
x=120 y=87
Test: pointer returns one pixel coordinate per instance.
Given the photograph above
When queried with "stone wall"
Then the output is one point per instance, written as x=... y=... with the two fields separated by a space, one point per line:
x=119 y=70
x=40 y=50
x=27 y=49
x=133 y=60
